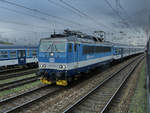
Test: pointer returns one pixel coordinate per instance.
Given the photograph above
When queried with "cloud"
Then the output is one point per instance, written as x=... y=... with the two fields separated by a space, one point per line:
x=86 y=15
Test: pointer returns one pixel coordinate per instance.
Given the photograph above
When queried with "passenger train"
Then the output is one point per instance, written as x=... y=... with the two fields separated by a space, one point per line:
x=62 y=56
x=18 y=55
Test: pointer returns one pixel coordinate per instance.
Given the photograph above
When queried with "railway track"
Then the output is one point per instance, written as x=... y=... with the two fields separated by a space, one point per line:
x=13 y=69
x=99 y=98
x=17 y=74
x=17 y=102
x=10 y=70
x=17 y=83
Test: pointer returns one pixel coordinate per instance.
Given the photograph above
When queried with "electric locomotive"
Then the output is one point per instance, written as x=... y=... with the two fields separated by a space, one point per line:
x=62 y=56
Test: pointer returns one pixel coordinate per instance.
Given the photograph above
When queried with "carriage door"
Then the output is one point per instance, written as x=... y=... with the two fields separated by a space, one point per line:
x=21 y=57
x=76 y=54
x=122 y=53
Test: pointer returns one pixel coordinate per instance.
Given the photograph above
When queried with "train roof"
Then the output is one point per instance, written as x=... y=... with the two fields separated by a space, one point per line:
x=126 y=46
x=79 y=37
x=16 y=47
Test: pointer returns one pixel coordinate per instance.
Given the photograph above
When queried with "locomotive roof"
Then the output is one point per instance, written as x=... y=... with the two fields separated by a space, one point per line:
x=77 y=39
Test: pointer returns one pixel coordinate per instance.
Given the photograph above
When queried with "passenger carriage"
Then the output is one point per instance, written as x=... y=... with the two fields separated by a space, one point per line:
x=123 y=51
x=17 y=55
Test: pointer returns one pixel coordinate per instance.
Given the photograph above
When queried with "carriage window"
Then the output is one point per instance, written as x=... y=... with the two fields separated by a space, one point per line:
x=13 y=54
x=69 y=47
x=3 y=54
x=34 y=53
x=28 y=53
x=117 y=51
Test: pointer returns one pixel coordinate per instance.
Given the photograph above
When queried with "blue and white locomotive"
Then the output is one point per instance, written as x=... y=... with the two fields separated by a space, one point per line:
x=17 y=55
x=63 y=56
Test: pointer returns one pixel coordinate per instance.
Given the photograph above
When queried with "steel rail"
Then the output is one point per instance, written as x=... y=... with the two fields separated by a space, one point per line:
x=18 y=68
x=17 y=74
x=11 y=69
x=119 y=88
x=19 y=95
x=18 y=83
x=70 y=108
x=29 y=93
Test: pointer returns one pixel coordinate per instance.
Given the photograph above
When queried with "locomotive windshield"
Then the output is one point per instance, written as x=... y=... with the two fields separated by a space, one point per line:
x=52 y=46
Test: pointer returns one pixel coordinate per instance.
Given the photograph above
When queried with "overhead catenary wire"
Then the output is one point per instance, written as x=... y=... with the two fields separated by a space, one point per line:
x=85 y=15
x=64 y=7
x=125 y=12
x=123 y=20
x=107 y=2
x=47 y=14
x=123 y=9
x=68 y=9
x=40 y=12
x=120 y=6
x=22 y=24
x=37 y=17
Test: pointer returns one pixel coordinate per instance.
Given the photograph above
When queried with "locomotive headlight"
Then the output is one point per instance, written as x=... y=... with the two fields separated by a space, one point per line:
x=42 y=65
x=62 y=66
x=51 y=54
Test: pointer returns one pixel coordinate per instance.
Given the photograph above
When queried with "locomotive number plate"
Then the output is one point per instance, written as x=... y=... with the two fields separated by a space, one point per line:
x=51 y=60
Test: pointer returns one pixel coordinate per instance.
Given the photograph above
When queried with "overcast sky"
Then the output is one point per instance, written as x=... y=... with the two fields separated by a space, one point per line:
x=26 y=21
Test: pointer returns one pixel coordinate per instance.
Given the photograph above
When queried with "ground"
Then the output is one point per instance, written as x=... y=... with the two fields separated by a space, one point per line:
x=139 y=100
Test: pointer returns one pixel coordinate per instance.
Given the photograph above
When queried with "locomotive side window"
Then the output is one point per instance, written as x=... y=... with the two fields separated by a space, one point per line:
x=13 y=54
x=95 y=49
x=85 y=49
x=75 y=47
x=69 y=47
x=3 y=54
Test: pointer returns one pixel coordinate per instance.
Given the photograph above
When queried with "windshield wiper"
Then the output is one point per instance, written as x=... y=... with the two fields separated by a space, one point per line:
x=56 y=48
x=50 y=46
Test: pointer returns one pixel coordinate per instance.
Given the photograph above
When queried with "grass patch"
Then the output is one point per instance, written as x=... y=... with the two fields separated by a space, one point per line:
x=6 y=43
x=15 y=90
x=16 y=78
x=139 y=100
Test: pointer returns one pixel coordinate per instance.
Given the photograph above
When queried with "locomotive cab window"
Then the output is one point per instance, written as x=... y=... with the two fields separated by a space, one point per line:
x=52 y=46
